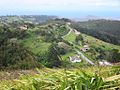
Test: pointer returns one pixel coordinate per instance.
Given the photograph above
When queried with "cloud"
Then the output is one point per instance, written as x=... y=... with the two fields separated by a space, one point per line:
x=60 y=4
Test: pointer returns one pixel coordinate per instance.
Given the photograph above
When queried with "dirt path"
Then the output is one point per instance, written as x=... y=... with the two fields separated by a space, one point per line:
x=67 y=33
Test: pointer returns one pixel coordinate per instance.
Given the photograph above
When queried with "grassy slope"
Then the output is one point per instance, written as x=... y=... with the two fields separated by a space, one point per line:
x=105 y=30
x=91 y=41
x=35 y=45
x=97 y=42
x=66 y=56
x=71 y=37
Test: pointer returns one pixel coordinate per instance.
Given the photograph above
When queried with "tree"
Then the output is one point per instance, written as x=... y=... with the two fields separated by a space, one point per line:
x=54 y=59
x=114 y=53
x=62 y=51
x=13 y=54
x=111 y=55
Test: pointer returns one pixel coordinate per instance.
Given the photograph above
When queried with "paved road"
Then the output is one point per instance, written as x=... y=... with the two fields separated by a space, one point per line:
x=70 y=30
x=85 y=58
x=79 y=53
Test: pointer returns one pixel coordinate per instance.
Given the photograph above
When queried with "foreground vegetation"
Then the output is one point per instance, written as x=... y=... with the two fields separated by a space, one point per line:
x=91 y=78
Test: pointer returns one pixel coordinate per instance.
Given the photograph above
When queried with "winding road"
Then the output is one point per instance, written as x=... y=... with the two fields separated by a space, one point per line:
x=67 y=33
x=78 y=52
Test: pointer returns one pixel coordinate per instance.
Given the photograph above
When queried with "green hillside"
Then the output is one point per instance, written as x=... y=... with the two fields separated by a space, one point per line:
x=105 y=30
x=38 y=39
x=43 y=57
x=97 y=46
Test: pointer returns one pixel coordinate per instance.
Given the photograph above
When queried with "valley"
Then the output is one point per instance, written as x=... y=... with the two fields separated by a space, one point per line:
x=51 y=53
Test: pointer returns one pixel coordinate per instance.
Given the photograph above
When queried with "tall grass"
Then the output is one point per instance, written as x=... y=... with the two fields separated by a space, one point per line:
x=62 y=80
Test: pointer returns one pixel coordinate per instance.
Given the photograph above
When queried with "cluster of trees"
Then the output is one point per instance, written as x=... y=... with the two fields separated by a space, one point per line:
x=48 y=36
x=100 y=53
x=112 y=55
x=9 y=32
x=79 y=38
x=52 y=33
x=51 y=58
x=13 y=54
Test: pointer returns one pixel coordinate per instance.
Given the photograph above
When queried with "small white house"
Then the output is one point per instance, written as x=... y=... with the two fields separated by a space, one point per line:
x=69 y=23
x=77 y=32
x=24 y=27
x=75 y=59
x=85 y=48
x=105 y=63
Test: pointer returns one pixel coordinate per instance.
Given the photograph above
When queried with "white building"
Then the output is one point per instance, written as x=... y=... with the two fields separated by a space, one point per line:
x=75 y=59
x=105 y=63
x=24 y=27
x=77 y=32
x=85 y=48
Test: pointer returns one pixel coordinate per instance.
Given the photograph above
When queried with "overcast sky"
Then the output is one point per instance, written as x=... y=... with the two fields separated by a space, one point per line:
x=68 y=8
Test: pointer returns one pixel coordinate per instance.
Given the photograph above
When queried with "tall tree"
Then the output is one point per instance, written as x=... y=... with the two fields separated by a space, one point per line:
x=53 y=57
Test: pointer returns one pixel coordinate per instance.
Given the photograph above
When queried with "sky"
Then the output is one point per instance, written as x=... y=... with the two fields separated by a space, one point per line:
x=64 y=8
